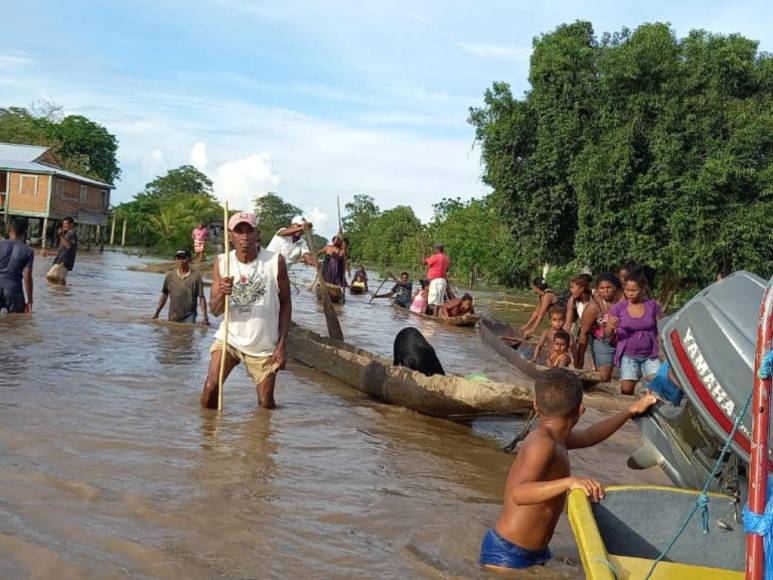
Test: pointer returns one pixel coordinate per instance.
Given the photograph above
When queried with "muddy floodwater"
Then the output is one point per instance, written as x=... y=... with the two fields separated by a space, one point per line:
x=109 y=469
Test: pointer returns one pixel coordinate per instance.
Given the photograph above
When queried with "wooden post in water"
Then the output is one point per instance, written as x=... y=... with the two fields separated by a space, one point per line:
x=100 y=241
x=123 y=234
x=112 y=232
x=44 y=235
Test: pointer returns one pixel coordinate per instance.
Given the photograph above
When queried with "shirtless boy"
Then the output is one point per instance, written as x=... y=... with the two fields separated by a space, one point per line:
x=557 y=318
x=536 y=487
x=559 y=355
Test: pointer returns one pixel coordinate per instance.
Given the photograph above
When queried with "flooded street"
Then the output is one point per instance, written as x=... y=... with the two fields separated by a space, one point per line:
x=109 y=468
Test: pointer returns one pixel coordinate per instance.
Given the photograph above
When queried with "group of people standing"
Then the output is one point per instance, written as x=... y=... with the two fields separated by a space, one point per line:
x=17 y=258
x=614 y=314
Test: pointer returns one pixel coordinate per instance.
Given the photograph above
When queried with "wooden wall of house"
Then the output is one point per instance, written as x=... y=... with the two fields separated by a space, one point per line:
x=66 y=198
x=27 y=192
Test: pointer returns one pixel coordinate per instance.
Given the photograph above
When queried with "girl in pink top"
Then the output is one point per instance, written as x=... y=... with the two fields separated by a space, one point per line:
x=419 y=303
x=200 y=236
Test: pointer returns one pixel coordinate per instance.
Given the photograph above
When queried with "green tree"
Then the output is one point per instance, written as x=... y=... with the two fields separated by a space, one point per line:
x=474 y=237
x=81 y=145
x=185 y=179
x=638 y=145
x=394 y=238
x=360 y=215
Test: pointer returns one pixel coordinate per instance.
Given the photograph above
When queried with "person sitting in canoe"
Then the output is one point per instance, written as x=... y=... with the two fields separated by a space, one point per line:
x=420 y=302
x=360 y=278
x=560 y=354
x=457 y=307
x=535 y=492
x=557 y=319
x=401 y=291
x=547 y=298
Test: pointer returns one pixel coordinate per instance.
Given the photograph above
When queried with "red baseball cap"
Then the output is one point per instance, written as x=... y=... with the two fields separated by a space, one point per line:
x=242 y=217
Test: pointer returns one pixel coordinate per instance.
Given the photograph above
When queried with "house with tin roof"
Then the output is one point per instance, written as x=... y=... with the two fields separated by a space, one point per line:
x=34 y=185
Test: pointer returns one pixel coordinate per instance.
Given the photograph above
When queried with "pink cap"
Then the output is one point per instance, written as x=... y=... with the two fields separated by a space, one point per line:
x=242 y=217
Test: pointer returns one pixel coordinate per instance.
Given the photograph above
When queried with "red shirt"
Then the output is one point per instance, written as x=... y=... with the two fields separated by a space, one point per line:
x=438 y=266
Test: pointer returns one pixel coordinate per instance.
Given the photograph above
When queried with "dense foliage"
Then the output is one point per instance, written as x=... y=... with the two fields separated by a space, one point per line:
x=637 y=145
x=81 y=145
x=474 y=236
x=165 y=213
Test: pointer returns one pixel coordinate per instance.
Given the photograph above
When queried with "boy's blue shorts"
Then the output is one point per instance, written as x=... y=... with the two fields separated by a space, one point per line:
x=497 y=551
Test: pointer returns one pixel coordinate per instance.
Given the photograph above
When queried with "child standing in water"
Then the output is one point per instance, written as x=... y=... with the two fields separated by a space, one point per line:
x=535 y=492
x=559 y=356
x=557 y=319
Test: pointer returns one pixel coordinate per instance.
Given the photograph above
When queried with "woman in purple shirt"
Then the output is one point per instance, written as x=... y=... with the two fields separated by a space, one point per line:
x=635 y=323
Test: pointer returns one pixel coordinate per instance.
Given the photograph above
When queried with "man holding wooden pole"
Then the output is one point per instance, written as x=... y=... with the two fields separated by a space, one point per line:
x=260 y=308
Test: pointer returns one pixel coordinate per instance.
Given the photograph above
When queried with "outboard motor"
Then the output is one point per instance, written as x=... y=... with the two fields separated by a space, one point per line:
x=710 y=345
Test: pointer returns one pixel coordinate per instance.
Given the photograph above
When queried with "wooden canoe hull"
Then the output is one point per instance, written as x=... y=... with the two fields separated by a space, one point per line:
x=357 y=288
x=466 y=321
x=335 y=292
x=441 y=396
x=490 y=332
x=621 y=536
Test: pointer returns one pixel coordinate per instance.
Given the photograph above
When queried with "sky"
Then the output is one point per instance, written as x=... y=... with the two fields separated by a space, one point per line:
x=308 y=99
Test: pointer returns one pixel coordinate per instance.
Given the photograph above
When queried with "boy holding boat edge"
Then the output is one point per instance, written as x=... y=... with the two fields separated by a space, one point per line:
x=535 y=492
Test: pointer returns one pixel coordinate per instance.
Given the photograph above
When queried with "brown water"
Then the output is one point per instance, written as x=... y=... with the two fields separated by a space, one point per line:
x=109 y=469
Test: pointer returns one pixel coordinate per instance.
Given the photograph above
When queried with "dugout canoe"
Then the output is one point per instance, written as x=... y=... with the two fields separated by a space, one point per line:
x=336 y=293
x=357 y=288
x=492 y=332
x=444 y=396
x=466 y=321
x=623 y=534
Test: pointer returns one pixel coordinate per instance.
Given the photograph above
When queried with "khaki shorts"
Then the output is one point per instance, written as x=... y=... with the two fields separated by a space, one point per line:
x=437 y=292
x=258 y=367
x=58 y=274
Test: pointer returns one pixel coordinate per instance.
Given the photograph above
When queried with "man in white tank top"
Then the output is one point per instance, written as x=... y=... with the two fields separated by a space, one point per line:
x=258 y=291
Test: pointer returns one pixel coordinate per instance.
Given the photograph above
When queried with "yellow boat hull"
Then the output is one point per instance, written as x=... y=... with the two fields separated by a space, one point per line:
x=650 y=519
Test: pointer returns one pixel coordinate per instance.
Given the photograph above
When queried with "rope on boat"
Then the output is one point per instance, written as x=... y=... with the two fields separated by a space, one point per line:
x=702 y=503
x=522 y=435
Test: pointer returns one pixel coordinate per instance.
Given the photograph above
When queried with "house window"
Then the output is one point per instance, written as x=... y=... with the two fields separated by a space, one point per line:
x=84 y=193
x=105 y=199
x=28 y=184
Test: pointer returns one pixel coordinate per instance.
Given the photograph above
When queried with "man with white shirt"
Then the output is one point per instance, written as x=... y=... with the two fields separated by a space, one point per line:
x=258 y=294
x=290 y=243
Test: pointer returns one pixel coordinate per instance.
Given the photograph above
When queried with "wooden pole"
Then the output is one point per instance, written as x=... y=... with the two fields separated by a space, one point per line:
x=226 y=311
x=379 y=288
x=758 y=463
x=123 y=234
x=44 y=236
x=112 y=232
x=331 y=318
x=100 y=242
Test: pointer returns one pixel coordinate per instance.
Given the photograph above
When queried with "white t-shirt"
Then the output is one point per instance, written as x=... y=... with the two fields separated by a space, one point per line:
x=253 y=327
x=292 y=251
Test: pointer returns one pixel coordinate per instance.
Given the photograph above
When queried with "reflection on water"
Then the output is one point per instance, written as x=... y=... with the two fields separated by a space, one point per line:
x=110 y=469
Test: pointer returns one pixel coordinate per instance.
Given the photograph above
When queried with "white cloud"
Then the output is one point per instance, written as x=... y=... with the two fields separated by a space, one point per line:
x=198 y=155
x=317 y=216
x=240 y=180
x=15 y=60
x=518 y=54
x=154 y=163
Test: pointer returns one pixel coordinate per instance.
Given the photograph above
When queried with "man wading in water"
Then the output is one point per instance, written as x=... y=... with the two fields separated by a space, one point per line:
x=260 y=311
x=65 y=259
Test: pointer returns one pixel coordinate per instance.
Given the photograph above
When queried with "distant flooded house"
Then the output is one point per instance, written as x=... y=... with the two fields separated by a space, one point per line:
x=34 y=185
